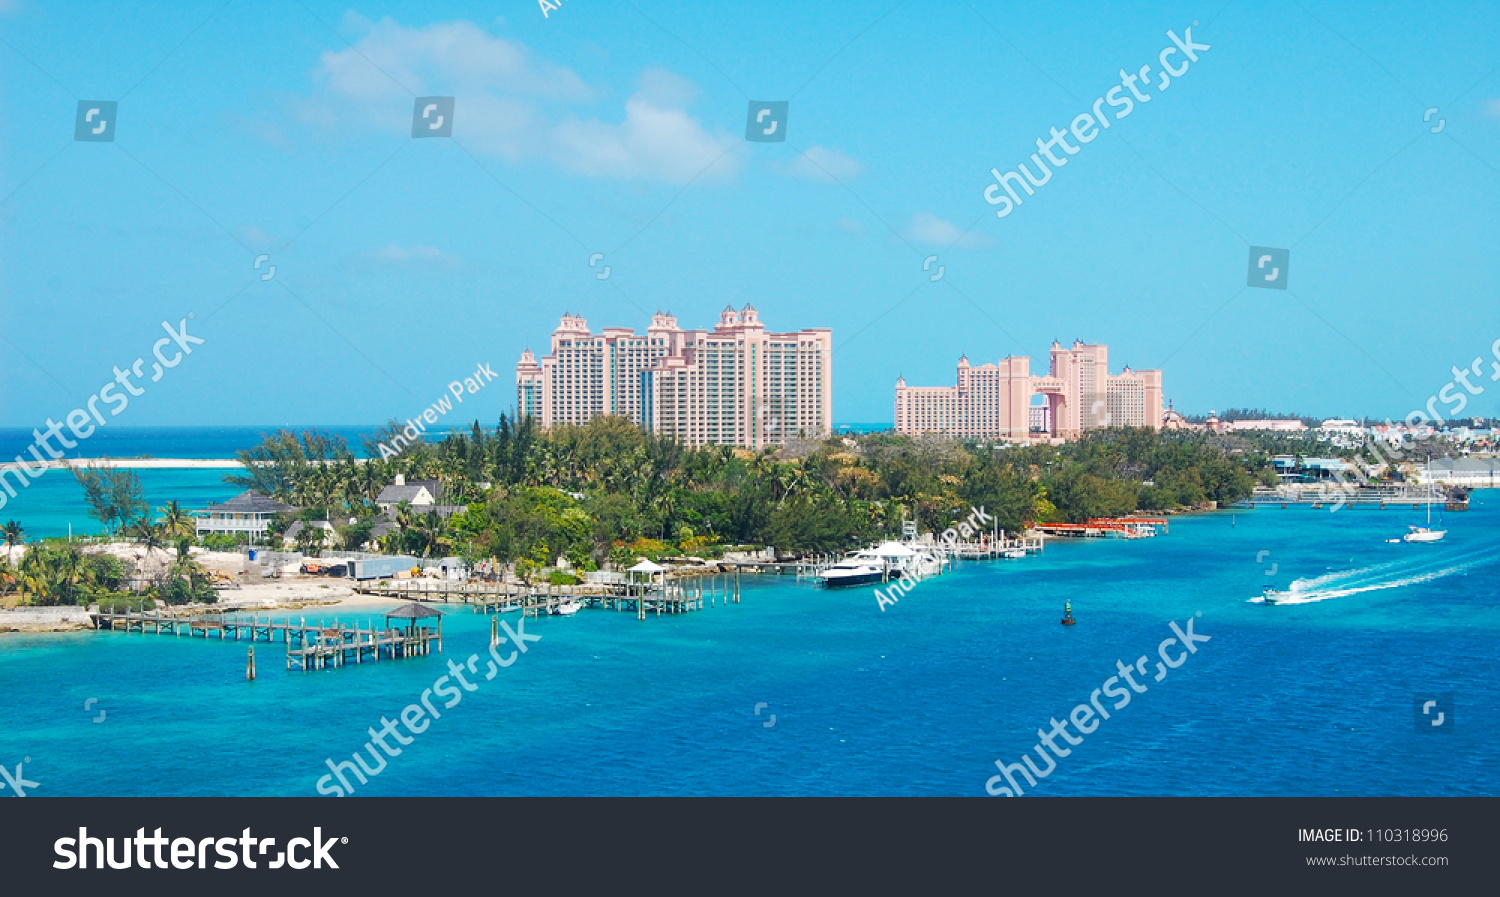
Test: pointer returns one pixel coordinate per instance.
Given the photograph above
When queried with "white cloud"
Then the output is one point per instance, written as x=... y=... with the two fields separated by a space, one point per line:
x=824 y=164
x=511 y=103
x=850 y=226
x=653 y=142
x=256 y=238
x=458 y=55
x=414 y=255
x=928 y=228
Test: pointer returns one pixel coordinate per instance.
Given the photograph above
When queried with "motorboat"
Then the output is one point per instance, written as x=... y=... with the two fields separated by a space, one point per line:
x=1273 y=595
x=888 y=560
x=853 y=571
x=1013 y=553
x=567 y=608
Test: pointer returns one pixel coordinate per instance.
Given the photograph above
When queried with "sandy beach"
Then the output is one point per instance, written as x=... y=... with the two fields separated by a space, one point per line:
x=250 y=591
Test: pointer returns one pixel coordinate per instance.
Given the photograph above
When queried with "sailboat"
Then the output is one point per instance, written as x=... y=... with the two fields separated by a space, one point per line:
x=1426 y=533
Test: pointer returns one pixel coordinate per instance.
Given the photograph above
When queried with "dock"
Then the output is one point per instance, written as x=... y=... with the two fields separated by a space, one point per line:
x=685 y=594
x=308 y=646
x=1108 y=527
x=1317 y=495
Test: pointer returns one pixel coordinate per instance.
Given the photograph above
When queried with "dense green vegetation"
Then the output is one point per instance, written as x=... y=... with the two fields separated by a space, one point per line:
x=610 y=490
x=51 y=572
x=56 y=572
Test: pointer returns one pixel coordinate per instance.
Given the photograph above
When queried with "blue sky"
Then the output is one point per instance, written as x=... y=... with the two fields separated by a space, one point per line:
x=284 y=129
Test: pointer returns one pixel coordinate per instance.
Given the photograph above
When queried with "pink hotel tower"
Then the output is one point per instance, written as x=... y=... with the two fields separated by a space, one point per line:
x=994 y=401
x=733 y=385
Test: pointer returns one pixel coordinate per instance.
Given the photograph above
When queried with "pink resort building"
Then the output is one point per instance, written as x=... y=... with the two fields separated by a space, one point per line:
x=736 y=384
x=995 y=401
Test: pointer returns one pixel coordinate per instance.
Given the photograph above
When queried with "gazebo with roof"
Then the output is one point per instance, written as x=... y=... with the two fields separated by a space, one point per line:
x=417 y=636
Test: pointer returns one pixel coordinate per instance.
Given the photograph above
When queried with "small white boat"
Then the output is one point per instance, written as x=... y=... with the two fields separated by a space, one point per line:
x=853 y=571
x=567 y=608
x=1273 y=595
x=1013 y=553
x=1424 y=534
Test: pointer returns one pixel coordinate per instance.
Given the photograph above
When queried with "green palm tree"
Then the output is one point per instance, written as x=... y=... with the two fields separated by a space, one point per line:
x=175 y=521
x=35 y=575
x=14 y=536
x=431 y=527
x=68 y=565
x=146 y=534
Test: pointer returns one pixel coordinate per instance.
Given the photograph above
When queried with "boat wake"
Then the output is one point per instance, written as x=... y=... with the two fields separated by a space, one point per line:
x=1392 y=575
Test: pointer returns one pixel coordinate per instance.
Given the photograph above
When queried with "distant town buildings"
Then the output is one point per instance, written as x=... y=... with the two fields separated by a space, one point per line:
x=995 y=401
x=736 y=384
x=1271 y=426
x=1474 y=473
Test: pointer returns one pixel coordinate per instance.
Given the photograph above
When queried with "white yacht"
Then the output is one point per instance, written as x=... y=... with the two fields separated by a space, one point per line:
x=853 y=571
x=567 y=608
x=888 y=560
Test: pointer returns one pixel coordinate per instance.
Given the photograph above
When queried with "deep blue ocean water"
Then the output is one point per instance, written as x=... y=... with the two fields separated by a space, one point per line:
x=921 y=699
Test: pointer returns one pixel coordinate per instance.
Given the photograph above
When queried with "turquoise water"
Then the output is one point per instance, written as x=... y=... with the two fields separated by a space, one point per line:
x=53 y=502
x=50 y=504
x=116 y=441
x=1309 y=698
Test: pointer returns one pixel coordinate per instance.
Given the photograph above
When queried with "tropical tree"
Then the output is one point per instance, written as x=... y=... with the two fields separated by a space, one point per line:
x=14 y=537
x=148 y=535
x=431 y=529
x=113 y=494
x=176 y=523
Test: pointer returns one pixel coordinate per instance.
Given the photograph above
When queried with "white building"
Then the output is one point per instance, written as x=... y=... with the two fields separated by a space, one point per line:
x=421 y=494
x=249 y=513
x=1474 y=473
x=1273 y=426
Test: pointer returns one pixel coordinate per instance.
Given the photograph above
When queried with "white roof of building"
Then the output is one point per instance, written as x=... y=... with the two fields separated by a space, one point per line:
x=1473 y=464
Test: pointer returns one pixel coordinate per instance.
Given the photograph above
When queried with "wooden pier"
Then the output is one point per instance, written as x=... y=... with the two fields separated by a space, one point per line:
x=1116 y=527
x=308 y=646
x=996 y=546
x=1319 y=495
x=681 y=596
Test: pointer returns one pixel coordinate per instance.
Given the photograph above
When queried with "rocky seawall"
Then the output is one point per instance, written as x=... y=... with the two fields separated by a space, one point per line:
x=45 y=619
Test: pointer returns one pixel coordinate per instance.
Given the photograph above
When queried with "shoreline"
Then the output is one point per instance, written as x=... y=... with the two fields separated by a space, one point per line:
x=132 y=463
x=260 y=597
